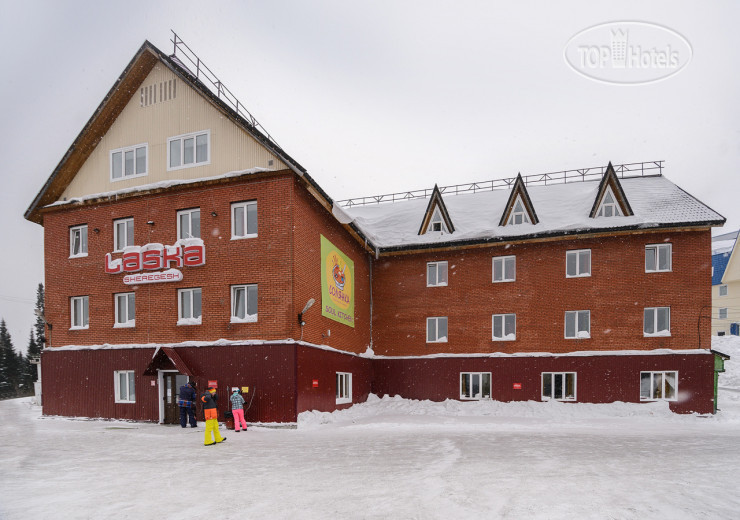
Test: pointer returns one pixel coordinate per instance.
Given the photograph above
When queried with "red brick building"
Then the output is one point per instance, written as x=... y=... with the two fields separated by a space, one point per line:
x=182 y=243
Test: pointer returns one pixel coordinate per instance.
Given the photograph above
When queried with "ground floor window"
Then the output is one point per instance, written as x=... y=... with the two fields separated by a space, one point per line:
x=124 y=384
x=658 y=386
x=475 y=385
x=344 y=387
x=560 y=386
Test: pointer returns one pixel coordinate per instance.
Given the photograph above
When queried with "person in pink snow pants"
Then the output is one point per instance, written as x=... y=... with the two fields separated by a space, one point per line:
x=237 y=408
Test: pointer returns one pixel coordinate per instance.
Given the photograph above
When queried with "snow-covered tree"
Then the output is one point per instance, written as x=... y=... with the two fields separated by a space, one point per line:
x=40 y=325
x=9 y=369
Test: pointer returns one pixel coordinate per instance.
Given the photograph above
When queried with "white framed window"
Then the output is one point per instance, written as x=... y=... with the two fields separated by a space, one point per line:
x=609 y=206
x=189 y=306
x=722 y=290
x=658 y=258
x=188 y=150
x=503 y=327
x=475 y=385
x=504 y=269
x=125 y=310
x=79 y=312
x=659 y=386
x=243 y=303
x=578 y=263
x=437 y=329
x=577 y=324
x=657 y=321
x=188 y=223
x=123 y=381
x=244 y=219
x=560 y=386
x=723 y=313
x=436 y=274
x=518 y=214
x=437 y=223
x=78 y=241
x=344 y=387
x=123 y=233
x=126 y=163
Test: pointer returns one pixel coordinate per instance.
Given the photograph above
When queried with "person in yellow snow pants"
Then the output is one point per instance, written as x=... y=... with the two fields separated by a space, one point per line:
x=213 y=436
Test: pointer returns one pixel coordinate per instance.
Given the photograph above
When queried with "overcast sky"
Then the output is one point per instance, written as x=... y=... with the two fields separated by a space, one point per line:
x=377 y=97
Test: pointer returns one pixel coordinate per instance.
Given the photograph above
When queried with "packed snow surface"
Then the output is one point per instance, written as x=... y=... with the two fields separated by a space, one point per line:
x=386 y=458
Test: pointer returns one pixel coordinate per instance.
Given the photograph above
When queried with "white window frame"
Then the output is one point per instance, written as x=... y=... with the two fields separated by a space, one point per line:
x=437 y=320
x=502 y=261
x=437 y=223
x=521 y=216
x=720 y=290
x=723 y=310
x=188 y=214
x=653 y=375
x=129 y=240
x=182 y=138
x=77 y=305
x=472 y=375
x=656 y=248
x=344 y=387
x=504 y=330
x=123 y=152
x=248 y=317
x=577 y=253
x=554 y=391
x=126 y=300
x=655 y=311
x=182 y=319
x=577 y=316
x=245 y=219
x=73 y=232
x=130 y=386
x=613 y=206
x=437 y=268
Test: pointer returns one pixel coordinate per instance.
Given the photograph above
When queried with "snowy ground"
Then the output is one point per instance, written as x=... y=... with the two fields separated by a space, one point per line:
x=387 y=458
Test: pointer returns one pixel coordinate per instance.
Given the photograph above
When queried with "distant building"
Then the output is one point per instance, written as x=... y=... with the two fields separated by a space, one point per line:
x=181 y=242
x=725 y=285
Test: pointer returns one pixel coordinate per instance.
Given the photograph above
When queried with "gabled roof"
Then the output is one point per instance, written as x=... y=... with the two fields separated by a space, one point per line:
x=436 y=202
x=611 y=181
x=519 y=192
x=167 y=358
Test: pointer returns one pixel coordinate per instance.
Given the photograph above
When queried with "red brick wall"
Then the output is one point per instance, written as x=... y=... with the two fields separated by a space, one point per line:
x=616 y=294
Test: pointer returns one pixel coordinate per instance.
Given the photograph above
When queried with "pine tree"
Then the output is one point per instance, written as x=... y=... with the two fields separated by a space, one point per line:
x=33 y=351
x=8 y=362
x=40 y=325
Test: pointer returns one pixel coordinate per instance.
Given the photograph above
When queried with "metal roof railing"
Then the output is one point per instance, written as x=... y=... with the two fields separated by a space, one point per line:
x=640 y=169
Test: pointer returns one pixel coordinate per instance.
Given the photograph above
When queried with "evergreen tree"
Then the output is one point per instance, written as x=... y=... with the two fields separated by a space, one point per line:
x=40 y=325
x=33 y=351
x=8 y=362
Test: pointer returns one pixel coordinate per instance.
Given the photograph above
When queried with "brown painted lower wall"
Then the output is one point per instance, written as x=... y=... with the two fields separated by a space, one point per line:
x=600 y=379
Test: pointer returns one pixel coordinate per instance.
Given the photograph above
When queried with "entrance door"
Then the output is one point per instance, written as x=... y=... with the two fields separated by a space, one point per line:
x=172 y=382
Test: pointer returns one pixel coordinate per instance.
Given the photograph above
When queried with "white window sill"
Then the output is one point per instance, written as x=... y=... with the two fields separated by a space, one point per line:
x=565 y=399
x=252 y=318
x=189 y=165
x=81 y=255
x=578 y=275
x=127 y=177
x=661 y=334
x=234 y=237
x=504 y=281
x=660 y=271
x=125 y=402
x=189 y=321
x=80 y=328
x=584 y=336
x=344 y=401
x=438 y=285
x=507 y=338
x=438 y=341
x=129 y=325
x=476 y=398
x=651 y=400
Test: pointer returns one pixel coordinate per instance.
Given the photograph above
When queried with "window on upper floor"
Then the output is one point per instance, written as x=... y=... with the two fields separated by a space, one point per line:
x=518 y=214
x=560 y=386
x=503 y=327
x=609 y=206
x=344 y=388
x=437 y=329
x=578 y=263
x=189 y=306
x=188 y=150
x=244 y=220
x=723 y=290
x=123 y=233
x=504 y=269
x=436 y=274
x=658 y=258
x=437 y=223
x=79 y=312
x=125 y=304
x=475 y=385
x=658 y=386
x=577 y=324
x=126 y=163
x=657 y=321
x=78 y=241
x=243 y=303
x=123 y=381
x=188 y=223
x=723 y=313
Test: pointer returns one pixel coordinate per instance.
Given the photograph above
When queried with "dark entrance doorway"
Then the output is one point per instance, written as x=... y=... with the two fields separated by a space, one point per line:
x=172 y=382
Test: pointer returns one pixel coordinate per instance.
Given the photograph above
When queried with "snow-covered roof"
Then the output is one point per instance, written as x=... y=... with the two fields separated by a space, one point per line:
x=561 y=208
x=722 y=246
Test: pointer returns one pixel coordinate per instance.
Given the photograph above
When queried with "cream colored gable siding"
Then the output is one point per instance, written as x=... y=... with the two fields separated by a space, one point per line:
x=232 y=149
x=731 y=302
x=732 y=271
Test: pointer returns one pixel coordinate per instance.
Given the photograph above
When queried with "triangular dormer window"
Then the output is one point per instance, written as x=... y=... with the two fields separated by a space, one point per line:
x=518 y=214
x=610 y=198
x=519 y=208
x=436 y=218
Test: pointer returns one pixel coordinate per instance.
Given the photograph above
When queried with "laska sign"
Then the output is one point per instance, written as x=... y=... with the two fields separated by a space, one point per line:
x=154 y=257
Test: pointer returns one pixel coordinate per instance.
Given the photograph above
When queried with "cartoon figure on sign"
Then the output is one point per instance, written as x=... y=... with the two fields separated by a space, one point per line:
x=338 y=274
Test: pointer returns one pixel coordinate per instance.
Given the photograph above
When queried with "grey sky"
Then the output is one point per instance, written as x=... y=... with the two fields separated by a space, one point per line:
x=376 y=97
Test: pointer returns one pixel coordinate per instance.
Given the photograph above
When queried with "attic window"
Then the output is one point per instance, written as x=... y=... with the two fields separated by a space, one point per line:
x=437 y=223
x=518 y=214
x=162 y=91
x=609 y=206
